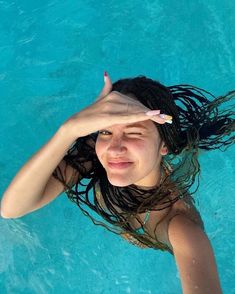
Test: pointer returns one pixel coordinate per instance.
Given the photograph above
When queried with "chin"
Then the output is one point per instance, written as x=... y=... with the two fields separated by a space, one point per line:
x=119 y=182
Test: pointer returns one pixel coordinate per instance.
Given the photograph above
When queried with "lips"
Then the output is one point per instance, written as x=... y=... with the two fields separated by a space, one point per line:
x=119 y=164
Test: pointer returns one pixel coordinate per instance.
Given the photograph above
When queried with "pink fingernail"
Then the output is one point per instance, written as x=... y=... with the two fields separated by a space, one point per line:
x=152 y=112
x=105 y=76
x=169 y=121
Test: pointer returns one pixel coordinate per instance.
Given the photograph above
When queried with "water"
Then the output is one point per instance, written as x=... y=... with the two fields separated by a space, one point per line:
x=53 y=55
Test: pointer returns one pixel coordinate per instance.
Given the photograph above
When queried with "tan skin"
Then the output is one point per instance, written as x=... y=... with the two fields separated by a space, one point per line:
x=134 y=143
x=191 y=247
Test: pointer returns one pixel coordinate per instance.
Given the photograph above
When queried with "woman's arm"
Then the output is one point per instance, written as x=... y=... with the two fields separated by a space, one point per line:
x=194 y=257
x=33 y=186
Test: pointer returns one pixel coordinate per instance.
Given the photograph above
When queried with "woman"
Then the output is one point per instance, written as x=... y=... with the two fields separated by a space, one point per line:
x=137 y=146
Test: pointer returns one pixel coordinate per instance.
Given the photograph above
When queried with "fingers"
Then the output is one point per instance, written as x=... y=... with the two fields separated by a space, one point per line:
x=107 y=87
x=158 y=117
x=153 y=115
x=161 y=118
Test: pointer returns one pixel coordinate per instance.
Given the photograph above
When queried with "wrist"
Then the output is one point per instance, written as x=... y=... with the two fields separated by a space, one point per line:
x=66 y=130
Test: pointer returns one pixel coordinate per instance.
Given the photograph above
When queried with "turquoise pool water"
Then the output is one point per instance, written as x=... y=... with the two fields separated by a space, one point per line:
x=53 y=54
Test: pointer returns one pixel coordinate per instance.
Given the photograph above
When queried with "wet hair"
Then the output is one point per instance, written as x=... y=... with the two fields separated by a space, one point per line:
x=200 y=121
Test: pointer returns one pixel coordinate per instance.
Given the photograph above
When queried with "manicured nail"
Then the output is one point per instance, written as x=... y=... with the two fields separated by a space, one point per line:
x=169 y=121
x=165 y=116
x=105 y=76
x=152 y=112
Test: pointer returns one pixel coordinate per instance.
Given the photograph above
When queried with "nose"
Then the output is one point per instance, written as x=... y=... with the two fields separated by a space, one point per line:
x=116 y=147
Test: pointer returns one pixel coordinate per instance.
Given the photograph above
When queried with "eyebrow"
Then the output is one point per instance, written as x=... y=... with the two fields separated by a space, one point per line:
x=136 y=126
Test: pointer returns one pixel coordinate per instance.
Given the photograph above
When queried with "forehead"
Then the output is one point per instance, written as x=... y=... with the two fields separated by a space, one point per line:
x=147 y=126
x=142 y=125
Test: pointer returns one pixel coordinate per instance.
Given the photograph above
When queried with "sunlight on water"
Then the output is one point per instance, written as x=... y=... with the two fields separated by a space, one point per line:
x=53 y=55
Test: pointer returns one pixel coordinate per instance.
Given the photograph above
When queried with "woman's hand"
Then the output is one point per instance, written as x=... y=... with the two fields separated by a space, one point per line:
x=110 y=108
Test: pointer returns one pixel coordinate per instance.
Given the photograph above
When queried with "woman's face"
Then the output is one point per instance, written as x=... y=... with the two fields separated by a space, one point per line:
x=131 y=153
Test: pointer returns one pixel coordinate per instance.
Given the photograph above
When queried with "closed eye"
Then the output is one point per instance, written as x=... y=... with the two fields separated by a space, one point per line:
x=106 y=133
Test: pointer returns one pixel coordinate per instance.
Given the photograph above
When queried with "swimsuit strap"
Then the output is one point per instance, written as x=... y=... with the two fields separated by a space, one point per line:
x=147 y=217
x=141 y=229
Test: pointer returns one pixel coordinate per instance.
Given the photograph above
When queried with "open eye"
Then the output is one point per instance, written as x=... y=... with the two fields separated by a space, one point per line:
x=104 y=132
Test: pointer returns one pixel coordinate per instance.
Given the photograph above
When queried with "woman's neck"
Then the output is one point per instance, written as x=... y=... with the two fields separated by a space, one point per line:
x=159 y=178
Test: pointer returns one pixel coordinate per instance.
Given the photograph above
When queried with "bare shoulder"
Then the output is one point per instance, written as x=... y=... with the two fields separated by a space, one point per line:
x=186 y=207
x=183 y=207
x=186 y=235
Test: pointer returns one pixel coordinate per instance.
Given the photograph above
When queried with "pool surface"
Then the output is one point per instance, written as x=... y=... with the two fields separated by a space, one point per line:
x=53 y=55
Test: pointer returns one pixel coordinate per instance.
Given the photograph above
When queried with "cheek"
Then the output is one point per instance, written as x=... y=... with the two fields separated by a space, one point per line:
x=142 y=151
x=99 y=149
x=139 y=149
x=150 y=153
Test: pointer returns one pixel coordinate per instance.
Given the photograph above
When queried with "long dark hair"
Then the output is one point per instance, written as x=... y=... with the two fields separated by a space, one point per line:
x=200 y=121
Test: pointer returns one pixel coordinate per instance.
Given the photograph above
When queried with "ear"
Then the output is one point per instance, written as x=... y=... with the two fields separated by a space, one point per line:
x=163 y=149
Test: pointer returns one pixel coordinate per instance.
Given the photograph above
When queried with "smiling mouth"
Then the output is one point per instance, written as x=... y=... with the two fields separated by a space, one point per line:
x=119 y=165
